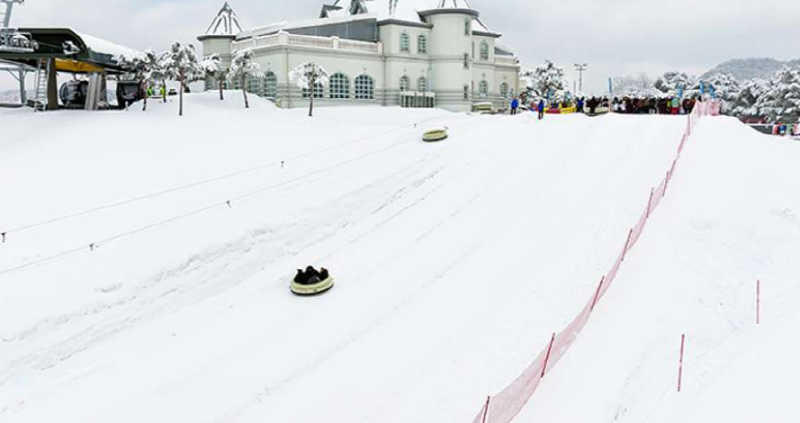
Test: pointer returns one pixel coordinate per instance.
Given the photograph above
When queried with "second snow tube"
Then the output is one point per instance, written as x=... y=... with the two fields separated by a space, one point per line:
x=306 y=290
x=434 y=135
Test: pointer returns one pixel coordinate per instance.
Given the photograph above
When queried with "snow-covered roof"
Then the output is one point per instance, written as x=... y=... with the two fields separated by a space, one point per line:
x=288 y=26
x=226 y=23
x=401 y=10
x=101 y=46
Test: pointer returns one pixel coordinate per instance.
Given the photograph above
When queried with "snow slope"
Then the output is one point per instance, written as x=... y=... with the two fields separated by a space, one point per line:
x=454 y=261
x=732 y=218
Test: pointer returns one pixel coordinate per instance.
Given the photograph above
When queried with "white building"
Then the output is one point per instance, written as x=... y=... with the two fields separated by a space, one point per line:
x=414 y=53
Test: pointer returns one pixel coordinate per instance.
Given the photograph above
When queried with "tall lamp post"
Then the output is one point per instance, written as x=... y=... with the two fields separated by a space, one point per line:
x=581 y=67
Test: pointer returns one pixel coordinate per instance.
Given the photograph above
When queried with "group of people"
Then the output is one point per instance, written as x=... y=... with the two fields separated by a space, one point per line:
x=652 y=105
x=311 y=276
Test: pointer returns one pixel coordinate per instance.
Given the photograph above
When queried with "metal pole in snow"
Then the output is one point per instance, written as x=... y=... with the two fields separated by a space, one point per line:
x=547 y=356
x=486 y=409
x=680 y=363
x=597 y=293
x=650 y=202
x=758 y=302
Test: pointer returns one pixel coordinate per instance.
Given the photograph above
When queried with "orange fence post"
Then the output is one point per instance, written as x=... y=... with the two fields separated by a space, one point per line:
x=597 y=293
x=486 y=409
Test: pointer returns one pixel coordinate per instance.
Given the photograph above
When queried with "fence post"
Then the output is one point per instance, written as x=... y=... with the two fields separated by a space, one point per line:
x=680 y=363
x=758 y=302
x=547 y=356
x=666 y=182
x=597 y=293
x=486 y=409
x=650 y=202
x=627 y=245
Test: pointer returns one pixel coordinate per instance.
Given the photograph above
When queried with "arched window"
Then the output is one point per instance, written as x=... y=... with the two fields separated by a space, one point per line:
x=422 y=84
x=365 y=88
x=422 y=44
x=319 y=91
x=504 y=90
x=405 y=43
x=484 y=50
x=270 y=85
x=340 y=86
x=483 y=89
x=405 y=83
x=254 y=84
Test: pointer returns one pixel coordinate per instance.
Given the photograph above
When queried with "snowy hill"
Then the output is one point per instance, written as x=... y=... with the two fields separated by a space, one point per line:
x=145 y=275
x=744 y=69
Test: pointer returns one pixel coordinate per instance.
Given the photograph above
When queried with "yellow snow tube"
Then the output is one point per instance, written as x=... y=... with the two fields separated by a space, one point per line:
x=569 y=110
x=435 y=135
x=314 y=289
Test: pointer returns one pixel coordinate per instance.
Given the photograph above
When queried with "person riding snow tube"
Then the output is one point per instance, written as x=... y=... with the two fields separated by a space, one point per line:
x=311 y=282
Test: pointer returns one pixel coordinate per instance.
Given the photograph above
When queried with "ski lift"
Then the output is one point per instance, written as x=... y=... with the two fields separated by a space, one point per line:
x=70 y=49
x=13 y=41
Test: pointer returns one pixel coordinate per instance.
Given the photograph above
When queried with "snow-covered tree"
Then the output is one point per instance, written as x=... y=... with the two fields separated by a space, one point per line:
x=640 y=86
x=307 y=76
x=780 y=101
x=672 y=82
x=546 y=81
x=160 y=70
x=214 y=68
x=184 y=66
x=745 y=103
x=242 y=68
x=724 y=86
x=143 y=68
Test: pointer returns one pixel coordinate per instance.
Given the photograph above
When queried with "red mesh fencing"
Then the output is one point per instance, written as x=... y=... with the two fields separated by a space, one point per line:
x=503 y=407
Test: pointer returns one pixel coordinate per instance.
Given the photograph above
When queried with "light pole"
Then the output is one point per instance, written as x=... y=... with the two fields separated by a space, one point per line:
x=581 y=67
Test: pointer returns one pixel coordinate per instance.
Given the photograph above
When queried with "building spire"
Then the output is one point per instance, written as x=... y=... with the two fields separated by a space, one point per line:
x=225 y=23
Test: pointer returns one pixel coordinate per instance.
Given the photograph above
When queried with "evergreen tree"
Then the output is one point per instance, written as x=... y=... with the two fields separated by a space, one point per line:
x=546 y=81
x=306 y=76
x=215 y=69
x=780 y=101
x=182 y=64
x=672 y=82
x=243 y=68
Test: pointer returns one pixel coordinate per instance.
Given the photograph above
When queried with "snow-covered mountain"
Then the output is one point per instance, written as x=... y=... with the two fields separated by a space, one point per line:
x=750 y=68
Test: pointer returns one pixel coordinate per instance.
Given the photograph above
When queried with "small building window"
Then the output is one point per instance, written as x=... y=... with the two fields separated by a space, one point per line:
x=405 y=83
x=466 y=92
x=483 y=89
x=270 y=85
x=405 y=43
x=422 y=44
x=319 y=91
x=422 y=84
x=484 y=50
x=365 y=88
x=254 y=85
x=468 y=27
x=340 y=86
x=466 y=60
x=504 y=90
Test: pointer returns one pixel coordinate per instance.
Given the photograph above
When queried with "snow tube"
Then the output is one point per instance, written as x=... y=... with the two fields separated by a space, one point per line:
x=434 y=135
x=569 y=110
x=312 y=289
x=553 y=111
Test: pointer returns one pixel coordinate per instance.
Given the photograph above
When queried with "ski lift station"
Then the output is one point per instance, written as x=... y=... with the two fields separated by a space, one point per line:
x=46 y=52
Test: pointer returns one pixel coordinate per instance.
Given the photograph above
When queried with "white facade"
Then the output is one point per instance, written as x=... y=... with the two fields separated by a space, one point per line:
x=414 y=55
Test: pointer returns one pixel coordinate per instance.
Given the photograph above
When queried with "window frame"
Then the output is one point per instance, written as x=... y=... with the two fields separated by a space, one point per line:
x=422 y=85
x=270 y=78
x=484 y=50
x=364 y=93
x=339 y=86
x=422 y=44
x=405 y=43
x=504 y=91
x=319 y=91
x=407 y=84
x=483 y=88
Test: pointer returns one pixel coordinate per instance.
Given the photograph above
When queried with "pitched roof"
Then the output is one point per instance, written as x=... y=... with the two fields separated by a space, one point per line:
x=226 y=23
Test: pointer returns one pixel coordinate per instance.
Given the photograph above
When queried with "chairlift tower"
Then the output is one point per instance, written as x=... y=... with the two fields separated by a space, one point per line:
x=13 y=41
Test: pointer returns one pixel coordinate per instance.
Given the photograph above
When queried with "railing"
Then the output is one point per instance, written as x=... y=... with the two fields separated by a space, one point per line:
x=332 y=43
x=311 y=41
x=506 y=60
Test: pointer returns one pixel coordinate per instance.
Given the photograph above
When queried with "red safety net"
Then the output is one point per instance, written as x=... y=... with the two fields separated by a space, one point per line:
x=503 y=407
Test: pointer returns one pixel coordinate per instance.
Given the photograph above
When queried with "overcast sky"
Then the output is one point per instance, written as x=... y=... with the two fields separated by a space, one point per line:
x=615 y=37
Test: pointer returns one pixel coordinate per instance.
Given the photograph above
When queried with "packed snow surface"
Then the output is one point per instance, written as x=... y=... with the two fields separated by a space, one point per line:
x=454 y=263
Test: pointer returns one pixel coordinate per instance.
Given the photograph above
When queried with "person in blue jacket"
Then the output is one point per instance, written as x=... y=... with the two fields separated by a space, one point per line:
x=514 y=105
x=541 y=109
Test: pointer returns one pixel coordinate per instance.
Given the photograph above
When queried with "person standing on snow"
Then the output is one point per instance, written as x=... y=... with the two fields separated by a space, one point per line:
x=514 y=105
x=676 y=106
x=540 y=108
